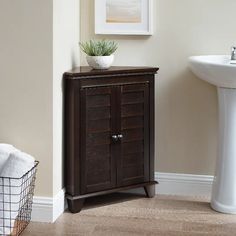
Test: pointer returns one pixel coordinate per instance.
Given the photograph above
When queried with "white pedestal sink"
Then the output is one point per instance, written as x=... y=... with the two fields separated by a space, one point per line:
x=218 y=70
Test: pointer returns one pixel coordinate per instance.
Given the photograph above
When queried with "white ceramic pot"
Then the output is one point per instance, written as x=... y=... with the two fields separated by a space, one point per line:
x=100 y=62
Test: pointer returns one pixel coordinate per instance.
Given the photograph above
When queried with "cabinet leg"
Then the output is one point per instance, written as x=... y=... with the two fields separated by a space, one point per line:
x=75 y=206
x=150 y=190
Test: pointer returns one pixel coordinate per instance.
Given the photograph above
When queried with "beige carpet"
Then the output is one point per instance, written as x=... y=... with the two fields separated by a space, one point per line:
x=128 y=215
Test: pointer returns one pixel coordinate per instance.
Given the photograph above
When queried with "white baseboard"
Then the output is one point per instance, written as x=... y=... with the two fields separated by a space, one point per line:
x=183 y=184
x=46 y=209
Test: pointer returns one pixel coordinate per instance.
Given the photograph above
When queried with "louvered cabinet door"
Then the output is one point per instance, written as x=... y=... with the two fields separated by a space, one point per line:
x=133 y=164
x=98 y=166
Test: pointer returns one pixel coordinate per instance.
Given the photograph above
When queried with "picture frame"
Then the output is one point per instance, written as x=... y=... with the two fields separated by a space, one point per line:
x=122 y=17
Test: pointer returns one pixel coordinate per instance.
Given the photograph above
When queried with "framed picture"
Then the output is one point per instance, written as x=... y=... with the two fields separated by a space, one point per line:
x=125 y=17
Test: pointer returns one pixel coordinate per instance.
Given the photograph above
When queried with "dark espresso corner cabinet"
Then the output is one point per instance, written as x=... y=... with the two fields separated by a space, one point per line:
x=108 y=132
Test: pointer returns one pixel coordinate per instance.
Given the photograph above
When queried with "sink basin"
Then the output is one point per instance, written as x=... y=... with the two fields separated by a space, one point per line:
x=218 y=71
x=215 y=69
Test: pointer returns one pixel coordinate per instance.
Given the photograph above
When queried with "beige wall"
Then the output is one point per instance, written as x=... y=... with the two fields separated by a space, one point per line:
x=38 y=43
x=26 y=82
x=186 y=108
x=65 y=56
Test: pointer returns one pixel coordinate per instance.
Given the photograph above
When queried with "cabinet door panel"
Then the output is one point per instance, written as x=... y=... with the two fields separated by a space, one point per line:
x=133 y=163
x=98 y=167
x=98 y=113
x=132 y=123
x=98 y=127
x=132 y=110
x=135 y=134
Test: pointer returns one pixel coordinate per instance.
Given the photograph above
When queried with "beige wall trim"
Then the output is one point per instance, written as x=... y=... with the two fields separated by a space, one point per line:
x=48 y=209
x=184 y=184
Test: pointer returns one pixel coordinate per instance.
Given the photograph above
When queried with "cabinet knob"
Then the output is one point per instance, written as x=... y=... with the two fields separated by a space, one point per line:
x=115 y=137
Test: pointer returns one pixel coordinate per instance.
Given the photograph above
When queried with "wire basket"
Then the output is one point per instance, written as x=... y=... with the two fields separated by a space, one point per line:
x=16 y=198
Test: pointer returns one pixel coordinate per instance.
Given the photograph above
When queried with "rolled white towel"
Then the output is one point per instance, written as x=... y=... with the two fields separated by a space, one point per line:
x=5 y=150
x=17 y=164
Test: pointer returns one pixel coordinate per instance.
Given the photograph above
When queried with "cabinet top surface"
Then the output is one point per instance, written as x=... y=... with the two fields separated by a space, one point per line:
x=88 y=71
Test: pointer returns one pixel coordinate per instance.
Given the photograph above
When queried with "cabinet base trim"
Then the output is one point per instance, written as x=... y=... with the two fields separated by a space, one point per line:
x=110 y=191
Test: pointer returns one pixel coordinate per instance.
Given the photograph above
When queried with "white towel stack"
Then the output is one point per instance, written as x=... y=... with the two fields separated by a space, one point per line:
x=13 y=164
x=5 y=150
x=17 y=164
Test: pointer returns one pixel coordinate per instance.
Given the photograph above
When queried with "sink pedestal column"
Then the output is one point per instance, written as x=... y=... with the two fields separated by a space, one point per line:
x=224 y=185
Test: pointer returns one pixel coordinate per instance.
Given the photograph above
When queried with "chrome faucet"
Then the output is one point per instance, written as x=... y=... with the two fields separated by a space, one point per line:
x=233 y=53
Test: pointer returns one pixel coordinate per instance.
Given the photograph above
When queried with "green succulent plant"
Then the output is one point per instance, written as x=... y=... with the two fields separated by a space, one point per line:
x=98 y=48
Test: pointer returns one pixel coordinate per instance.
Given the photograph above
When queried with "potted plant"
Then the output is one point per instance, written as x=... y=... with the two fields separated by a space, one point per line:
x=99 y=53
